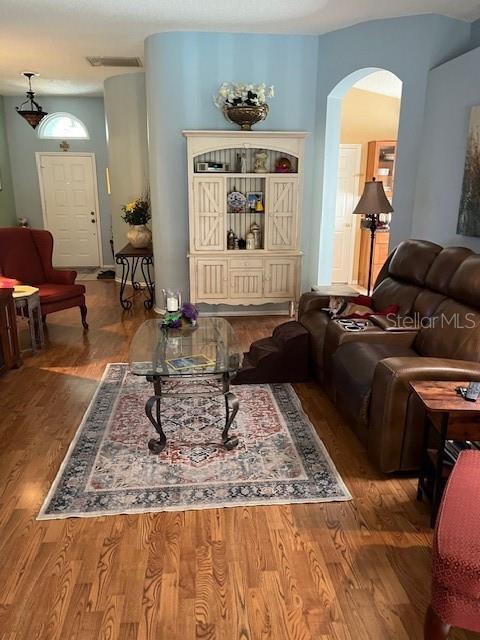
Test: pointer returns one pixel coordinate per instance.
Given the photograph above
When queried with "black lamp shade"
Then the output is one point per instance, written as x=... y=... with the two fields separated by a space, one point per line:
x=373 y=200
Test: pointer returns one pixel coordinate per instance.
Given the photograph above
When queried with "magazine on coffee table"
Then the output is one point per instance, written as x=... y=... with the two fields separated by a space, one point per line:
x=190 y=362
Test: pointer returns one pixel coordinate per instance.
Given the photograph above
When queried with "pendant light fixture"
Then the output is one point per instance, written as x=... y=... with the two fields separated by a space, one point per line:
x=35 y=114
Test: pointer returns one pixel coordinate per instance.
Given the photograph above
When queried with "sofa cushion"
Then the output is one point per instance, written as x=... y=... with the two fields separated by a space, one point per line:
x=452 y=332
x=391 y=291
x=427 y=302
x=19 y=257
x=412 y=260
x=465 y=284
x=56 y=292
x=444 y=267
x=354 y=366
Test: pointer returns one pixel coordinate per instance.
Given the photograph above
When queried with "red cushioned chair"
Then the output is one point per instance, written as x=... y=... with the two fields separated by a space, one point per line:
x=26 y=256
x=456 y=553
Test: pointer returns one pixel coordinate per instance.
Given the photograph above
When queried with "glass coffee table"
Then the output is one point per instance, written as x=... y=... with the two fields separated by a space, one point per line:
x=189 y=362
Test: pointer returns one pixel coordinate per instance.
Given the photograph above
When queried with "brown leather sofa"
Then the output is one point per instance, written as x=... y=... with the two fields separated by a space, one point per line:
x=435 y=337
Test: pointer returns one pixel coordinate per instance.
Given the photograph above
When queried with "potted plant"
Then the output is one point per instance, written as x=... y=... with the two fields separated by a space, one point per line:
x=243 y=104
x=137 y=214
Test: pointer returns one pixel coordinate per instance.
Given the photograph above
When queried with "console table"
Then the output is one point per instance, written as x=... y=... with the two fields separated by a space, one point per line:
x=130 y=257
x=448 y=417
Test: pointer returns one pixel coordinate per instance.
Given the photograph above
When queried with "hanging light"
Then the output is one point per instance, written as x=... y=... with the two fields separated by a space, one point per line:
x=35 y=114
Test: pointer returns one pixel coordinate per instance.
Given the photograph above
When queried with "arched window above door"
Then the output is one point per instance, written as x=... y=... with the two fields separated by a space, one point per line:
x=62 y=126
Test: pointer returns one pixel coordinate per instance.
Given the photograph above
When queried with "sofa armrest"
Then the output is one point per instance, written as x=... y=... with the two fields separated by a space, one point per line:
x=396 y=371
x=61 y=276
x=395 y=324
x=313 y=301
x=390 y=402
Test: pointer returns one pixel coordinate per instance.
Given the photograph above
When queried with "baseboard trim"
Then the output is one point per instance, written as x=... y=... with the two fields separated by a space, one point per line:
x=233 y=313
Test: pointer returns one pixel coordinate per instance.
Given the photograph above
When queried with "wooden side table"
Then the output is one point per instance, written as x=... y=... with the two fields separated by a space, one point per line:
x=130 y=257
x=9 y=349
x=27 y=303
x=448 y=417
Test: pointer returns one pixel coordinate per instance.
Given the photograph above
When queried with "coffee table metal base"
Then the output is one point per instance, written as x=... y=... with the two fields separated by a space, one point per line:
x=153 y=409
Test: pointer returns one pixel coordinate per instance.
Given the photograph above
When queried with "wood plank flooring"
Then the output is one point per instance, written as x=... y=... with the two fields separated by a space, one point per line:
x=349 y=571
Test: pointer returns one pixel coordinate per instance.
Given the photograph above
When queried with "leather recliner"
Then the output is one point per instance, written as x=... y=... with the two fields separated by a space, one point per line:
x=436 y=337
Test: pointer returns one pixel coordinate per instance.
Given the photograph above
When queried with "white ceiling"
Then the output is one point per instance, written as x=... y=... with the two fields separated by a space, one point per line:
x=53 y=37
x=384 y=82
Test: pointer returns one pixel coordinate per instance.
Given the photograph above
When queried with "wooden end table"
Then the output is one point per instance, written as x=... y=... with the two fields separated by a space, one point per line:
x=130 y=257
x=448 y=417
x=27 y=304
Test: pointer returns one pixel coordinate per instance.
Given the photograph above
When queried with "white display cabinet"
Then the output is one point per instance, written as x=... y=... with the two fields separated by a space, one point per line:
x=222 y=162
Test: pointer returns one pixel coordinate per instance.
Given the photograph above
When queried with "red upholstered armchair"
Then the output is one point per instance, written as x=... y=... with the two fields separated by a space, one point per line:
x=456 y=553
x=26 y=256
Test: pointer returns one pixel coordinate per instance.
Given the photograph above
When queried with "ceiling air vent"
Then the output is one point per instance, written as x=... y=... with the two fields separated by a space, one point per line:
x=107 y=61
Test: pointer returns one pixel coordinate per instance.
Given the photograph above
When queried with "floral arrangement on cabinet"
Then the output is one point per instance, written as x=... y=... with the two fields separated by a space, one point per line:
x=137 y=214
x=244 y=104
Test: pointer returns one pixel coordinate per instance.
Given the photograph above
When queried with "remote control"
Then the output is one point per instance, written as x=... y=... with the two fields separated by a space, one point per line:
x=473 y=391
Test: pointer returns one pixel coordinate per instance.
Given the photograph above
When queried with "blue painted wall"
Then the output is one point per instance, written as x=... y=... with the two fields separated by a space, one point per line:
x=7 y=202
x=183 y=72
x=23 y=143
x=408 y=47
x=475 y=39
x=453 y=89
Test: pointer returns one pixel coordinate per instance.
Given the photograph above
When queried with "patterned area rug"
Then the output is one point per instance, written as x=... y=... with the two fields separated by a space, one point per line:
x=108 y=468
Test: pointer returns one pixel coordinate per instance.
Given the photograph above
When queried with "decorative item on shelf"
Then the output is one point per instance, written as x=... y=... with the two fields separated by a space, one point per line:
x=383 y=171
x=184 y=316
x=250 y=242
x=236 y=243
x=261 y=158
x=231 y=240
x=255 y=229
x=172 y=300
x=253 y=197
x=236 y=200
x=242 y=162
x=137 y=214
x=212 y=167
x=243 y=104
x=372 y=204
x=242 y=243
x=23 y=222
x=259 y=207
x=35 y=114
x=283 y=165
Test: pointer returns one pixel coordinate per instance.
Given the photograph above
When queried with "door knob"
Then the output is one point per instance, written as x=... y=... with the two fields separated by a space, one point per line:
x=92 y=213
x=92 y=220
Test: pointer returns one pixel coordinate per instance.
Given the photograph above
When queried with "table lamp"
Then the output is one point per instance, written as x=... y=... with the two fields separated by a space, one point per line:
x=372 y=203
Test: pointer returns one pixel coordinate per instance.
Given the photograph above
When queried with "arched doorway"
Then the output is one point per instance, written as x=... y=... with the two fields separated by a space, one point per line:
x=333 y=247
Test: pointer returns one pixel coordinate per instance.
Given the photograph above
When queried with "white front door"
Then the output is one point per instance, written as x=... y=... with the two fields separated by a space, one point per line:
x=348 y=180
x=70 y=210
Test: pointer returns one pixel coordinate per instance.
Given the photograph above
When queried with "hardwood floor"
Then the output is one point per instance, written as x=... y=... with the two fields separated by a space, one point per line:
x=347 y=571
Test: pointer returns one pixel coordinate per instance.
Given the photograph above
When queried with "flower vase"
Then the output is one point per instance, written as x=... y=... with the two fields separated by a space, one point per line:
x=139 y=236
x=246 y=116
